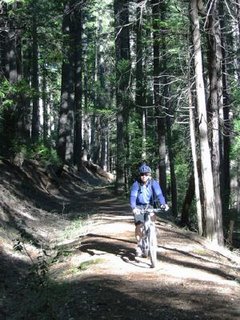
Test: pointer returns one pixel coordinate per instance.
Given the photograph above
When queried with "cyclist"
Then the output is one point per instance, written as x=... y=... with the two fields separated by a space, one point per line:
x=142 y=194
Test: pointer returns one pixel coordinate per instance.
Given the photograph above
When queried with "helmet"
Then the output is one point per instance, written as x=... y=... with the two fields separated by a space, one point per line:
x=144 y=169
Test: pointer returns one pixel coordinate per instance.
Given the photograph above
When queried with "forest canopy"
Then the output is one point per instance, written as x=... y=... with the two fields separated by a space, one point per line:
x=117 y=82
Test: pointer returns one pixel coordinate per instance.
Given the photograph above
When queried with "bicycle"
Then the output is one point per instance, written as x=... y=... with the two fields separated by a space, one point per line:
x=148 y=240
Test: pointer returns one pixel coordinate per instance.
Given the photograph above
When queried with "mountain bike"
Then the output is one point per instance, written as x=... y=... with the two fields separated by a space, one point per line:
x=148 y=240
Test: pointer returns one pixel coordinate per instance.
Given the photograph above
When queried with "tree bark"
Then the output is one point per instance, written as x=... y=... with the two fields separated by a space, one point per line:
x=195 y=163
x=172 y=162
x=185 y=221
x=66 y=112
x=10 y=71
x=215 y=103
x=78 y=67
x=35 y=76
x=140 y=94
x=123 y=67
x=158 y=102
x=205 y=155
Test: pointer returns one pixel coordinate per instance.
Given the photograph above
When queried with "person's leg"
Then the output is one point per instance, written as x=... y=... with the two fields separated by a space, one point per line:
x=138 y=230
x=138 y=236
x=139 y=220
x=153 y=216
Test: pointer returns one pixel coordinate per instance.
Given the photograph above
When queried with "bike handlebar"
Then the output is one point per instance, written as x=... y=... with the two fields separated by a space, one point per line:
x=155 y=210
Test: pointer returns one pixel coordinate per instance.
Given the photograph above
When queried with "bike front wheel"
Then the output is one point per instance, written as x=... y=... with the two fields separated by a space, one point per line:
x=153 y=245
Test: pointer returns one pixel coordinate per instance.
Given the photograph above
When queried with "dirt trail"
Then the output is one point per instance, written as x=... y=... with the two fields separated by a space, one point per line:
x=92 y=272
x=191 y=281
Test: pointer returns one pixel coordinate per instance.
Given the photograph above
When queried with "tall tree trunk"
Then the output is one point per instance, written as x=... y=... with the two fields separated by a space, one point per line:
x=3 y=38
x=27 y=110
x=207 y=174
x=45 y=107
x=171 y=161
x=158 y=103
x=168 y=106
x=123 y=67
x=215 y=102
x=237 y=10
x=66 y=112
x=102 y=99
x=185 y=221
x=195 y=162
x=140 y=93
x=78 y=58
x=35 y=76
x=144 y=134
x=104 y=145
x=226 y=122
x=9 y=56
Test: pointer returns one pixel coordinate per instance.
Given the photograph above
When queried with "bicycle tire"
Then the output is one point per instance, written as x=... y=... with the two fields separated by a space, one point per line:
x=153 y=245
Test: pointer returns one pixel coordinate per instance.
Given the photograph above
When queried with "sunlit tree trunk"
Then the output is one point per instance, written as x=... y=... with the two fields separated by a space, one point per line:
x=140 y=94
x=195 y=161
x=102 y=98
x=196 y=184
x=205 y=155
x=215 y=103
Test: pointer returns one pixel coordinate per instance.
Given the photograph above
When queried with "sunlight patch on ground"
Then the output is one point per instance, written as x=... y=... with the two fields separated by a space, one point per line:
x=24 y=256
x=29 y=216
x=116 y=228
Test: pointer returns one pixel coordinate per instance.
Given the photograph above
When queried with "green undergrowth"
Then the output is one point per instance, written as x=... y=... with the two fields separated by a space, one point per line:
x=46 y=302
x=39 y=295
x=88 y=263
x=78 y=226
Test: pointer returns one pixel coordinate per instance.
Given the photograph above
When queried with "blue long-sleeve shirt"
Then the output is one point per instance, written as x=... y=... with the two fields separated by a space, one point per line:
x=142 y=194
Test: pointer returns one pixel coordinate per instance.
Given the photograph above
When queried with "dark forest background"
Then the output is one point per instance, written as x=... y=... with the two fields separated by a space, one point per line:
x=113 y=83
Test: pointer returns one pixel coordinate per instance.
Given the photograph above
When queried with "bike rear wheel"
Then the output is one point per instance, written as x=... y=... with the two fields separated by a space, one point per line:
x=153 y=245
x=145 y=247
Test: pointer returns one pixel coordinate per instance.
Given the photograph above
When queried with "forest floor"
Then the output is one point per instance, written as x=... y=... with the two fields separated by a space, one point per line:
x=67 y=253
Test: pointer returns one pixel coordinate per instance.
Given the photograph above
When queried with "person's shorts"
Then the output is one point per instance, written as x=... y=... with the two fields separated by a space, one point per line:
x=139 y=217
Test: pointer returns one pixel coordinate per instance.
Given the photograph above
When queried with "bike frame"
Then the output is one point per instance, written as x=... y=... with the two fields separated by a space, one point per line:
x=149 y=237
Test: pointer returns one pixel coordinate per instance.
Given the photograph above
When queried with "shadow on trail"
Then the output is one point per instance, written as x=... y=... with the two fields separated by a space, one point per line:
x=95 y=244
x=108 y=297
x=198 y=264
x=98 y=244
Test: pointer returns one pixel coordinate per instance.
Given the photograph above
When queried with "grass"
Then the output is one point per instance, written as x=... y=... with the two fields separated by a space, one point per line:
x=200 y=251
x=75 y=229
x=41 y=303
x=88 y=263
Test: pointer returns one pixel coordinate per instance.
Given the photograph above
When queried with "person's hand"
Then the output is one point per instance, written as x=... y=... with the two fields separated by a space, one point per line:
x=165 y=207
x=136 y=211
